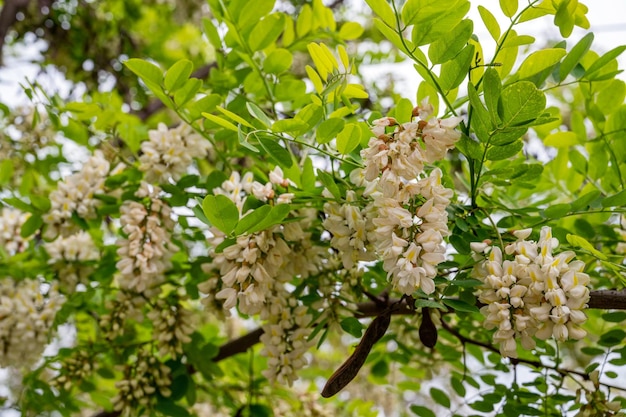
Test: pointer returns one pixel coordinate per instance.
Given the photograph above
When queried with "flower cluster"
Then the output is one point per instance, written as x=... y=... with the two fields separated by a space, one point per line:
x=285 y=337
x=536 y=293
x=146 y=250
x=71 y=256
x=172 y=326
x=142 y=380
x=75 y=195
x=170 y=152
x=121 y=311
x=405 y=221
x=11 y=222
x=254 y=269
x=26 y=318
x=75 y=369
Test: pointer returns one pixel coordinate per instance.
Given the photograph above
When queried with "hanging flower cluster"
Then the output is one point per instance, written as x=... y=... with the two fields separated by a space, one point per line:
x=26 y=318
x=144 y=379
x=172 y=325
x=253 y=272
x=70 y=256
x=145 y=252
x=405 y=222
x=11 y=222
x=75 y=194
x=169 y=152
x=127 y=307
x=75 y=369
x=536 y=293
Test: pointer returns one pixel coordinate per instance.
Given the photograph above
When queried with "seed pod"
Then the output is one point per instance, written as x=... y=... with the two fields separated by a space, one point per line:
x=350 y=368
x=427 y=330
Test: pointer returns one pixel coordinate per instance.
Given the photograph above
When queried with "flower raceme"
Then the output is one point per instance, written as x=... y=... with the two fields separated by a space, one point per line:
x=534 y=294
x=405 y=221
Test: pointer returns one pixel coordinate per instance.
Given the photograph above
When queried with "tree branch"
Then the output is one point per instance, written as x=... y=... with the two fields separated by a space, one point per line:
x=8 y=16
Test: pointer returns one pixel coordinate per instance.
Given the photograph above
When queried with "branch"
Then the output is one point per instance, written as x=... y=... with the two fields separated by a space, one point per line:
x=608 y=299
x=8 y=16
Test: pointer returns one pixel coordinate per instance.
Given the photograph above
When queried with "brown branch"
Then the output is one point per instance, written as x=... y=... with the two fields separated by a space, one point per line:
x=8 y=16
x=608 y=299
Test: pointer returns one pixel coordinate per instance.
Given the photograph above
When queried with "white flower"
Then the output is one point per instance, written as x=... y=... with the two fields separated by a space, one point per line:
x=169 y=152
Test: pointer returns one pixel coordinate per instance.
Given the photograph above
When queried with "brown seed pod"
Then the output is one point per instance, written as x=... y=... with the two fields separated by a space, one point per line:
x=350 y=368
x=427 y=330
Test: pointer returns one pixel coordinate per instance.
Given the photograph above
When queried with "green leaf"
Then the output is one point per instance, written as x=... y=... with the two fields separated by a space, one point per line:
x=266 y=31
x=490 y=22
x=147 y=71
x=580 y=242
x=585 y=200
x=177 y=75
x=397 y=40
x=540 y=60
x=422 y=411
x=221 y=212
x=6 y=170
x=493 y=88
x=575 y=55
x=352 y=326
x=383 y=10
x=348 y=139
x=521 y=103
x=557 y=211
x=459 y=305
x=211 y=32
x=561 y=139
x=275 y=216
x=40 y=203
x=256 y=112
x=497 y=153
x=616 y=200
x=276 y=152
x=278 y=61
x=449 y=45
x=252 y=218
x=329 y=182
x=170 y=408
x=470 y=148
x=611 y=97
x=603 y=60
x=440 y=397
x=31 y=225
x=234 y=117
x=509 y=7
x=219 y=121
x=350 y=31
x=614 y=316
x=328 y=130
x=188 y=91
x=436 y=18
x=480 y=121
x=613 y=337
x=454 y=71
x=289 y=125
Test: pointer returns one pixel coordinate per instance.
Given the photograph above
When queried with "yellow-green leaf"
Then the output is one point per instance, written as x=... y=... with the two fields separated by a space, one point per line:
x=234 y=117
x=539 y=61
x=562 y=139
x=219 y=121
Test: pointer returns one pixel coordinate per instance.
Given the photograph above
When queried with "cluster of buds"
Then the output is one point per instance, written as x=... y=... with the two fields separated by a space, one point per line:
x=169 y=152
x=121 y=311
x=172 y=325
x=76 y=368
x=147 y=248
x=534 y=294
x=143 y=380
